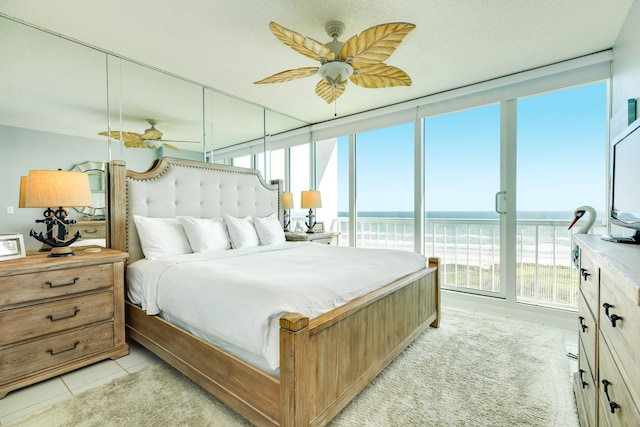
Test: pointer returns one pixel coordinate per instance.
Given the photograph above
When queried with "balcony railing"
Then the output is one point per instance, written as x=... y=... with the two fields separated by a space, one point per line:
x=469 y=250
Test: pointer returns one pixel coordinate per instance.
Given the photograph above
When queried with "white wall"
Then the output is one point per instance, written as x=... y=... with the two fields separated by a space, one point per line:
x=626 y=70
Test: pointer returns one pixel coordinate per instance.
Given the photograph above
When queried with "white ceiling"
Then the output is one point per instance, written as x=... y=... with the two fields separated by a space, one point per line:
x=227 y=45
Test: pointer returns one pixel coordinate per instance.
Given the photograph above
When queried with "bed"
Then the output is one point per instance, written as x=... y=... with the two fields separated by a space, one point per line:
x=323 y=361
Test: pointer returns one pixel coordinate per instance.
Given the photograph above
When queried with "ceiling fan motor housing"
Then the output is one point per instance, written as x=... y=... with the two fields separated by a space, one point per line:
x=334 y=29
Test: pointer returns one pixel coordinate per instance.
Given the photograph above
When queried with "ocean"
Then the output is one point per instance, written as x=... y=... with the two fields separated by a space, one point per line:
x=541 y=215
x=467 y=234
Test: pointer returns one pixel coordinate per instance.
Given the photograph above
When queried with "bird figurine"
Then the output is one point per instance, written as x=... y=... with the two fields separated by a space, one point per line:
x=584 y=228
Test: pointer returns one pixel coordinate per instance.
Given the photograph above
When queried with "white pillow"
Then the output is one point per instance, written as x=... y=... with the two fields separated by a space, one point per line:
x=206 y=235
x=241 y=232
x=269 y=230
x=161 y=237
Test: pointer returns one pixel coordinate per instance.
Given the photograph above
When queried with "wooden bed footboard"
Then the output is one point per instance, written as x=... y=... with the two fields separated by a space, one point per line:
x=327 y=361
x=324 y=362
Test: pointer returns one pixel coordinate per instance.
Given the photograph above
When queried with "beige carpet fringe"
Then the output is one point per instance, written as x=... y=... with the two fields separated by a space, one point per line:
x=475 y=370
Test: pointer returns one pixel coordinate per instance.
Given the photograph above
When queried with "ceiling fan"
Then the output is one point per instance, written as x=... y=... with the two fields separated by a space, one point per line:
x=359 y=59
x=151 y=138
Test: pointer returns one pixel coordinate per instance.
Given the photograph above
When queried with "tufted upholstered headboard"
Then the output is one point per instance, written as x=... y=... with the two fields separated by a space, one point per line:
x=175 y=187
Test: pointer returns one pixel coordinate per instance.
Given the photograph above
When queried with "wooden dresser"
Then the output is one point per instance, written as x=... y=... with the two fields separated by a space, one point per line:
x=58 y=314
x=607 y=384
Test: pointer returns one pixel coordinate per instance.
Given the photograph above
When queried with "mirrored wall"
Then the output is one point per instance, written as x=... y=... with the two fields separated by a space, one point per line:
x=57 y=96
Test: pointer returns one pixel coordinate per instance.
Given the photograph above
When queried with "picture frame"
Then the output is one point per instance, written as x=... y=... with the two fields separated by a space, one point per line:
x=11 y=246
x=319 y=227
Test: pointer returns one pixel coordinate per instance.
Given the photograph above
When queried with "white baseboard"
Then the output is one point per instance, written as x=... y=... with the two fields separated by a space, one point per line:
x=562 y=319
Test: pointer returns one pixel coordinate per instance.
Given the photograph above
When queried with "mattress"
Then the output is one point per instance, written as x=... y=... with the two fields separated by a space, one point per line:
x=236 y=297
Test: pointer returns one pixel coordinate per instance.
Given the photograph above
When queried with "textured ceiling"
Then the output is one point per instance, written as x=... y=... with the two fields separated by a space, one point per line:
x=227 y=45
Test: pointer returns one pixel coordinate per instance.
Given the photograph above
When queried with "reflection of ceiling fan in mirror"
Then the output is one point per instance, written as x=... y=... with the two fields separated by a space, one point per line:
x=151 y=138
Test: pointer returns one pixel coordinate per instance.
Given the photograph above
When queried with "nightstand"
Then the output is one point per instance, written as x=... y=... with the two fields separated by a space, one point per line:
x=59 y=314
x=328 y=238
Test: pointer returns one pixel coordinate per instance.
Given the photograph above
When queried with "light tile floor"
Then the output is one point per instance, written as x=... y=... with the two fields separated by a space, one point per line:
x=25 y=401
x=22 y=402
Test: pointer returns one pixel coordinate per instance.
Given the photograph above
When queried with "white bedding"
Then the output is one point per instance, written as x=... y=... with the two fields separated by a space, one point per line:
x=237 y=296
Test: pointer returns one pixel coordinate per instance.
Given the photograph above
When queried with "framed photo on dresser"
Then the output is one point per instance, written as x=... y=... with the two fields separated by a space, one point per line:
x=11 y=246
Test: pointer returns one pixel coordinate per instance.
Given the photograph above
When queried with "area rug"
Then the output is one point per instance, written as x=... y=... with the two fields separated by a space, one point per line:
x=475 y=370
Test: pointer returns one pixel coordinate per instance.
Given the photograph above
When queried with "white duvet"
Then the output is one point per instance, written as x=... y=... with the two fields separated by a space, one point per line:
x=237 y=296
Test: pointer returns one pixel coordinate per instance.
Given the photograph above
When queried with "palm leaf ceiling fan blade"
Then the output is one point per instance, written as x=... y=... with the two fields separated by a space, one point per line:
x=171 y=147
x=328 y=92
x=289 y=75
x=360 y=59
x=379 y=76
x=301 y=44
x=126 y=137
x=375 y=44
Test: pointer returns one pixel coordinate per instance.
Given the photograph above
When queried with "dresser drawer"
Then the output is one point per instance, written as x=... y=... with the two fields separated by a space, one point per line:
x=27 y=288
x=588 y=333
x=589 y=282
x=617 y=407
x=32 y=357
x=88 y=229
x=29 y=322
x=618 y=309
x=587 y=386
x=323 y=240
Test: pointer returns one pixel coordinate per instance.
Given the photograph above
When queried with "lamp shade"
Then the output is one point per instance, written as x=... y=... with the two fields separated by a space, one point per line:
x=287 y=200
x=22 y=201
x=311 y=199
x=51 y=188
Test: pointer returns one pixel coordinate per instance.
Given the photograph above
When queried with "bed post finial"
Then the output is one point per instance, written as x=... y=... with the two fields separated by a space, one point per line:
x=435 y=262
x=116 y=205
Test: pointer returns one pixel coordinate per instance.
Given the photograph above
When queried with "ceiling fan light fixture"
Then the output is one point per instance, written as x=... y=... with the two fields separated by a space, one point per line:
x=335 y=73
x=153 y=143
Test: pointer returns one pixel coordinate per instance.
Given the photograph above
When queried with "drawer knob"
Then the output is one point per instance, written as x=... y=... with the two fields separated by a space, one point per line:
x=73 y=347
x=613 y=318
x=584 y=383
x=584 y=273
x=57 y=285
x=612 y=405
x=582 y=325
x=75 y=311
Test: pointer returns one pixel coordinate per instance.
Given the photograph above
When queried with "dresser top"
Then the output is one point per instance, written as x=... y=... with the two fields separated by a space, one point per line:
x=39 y=261
x=623 y=258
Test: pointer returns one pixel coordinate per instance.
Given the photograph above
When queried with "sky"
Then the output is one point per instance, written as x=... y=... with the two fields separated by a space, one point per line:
x=561 y=151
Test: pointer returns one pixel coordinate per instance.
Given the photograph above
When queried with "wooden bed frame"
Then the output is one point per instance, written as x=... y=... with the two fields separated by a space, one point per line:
x=324 y=362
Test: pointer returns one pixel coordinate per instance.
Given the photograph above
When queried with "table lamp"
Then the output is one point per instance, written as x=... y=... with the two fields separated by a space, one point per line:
x=47 y=188
x=311 y=200
x=287 y=204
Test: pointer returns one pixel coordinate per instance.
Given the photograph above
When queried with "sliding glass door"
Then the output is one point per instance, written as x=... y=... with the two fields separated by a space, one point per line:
x=561 y=152
x=462 y=175
x=501 y=186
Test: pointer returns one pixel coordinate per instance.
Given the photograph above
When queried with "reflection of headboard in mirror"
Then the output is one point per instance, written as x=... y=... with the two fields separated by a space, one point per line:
x=97 y=180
